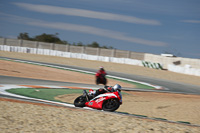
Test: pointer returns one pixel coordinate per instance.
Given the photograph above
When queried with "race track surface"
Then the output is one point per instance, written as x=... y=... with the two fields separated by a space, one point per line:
x=171 y=86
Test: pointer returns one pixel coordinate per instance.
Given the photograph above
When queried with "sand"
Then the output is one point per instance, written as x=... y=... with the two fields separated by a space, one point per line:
x=32 y=118
x=174 y=107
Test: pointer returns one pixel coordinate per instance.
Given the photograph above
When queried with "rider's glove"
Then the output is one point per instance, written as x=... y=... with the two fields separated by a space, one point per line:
x=91 y=92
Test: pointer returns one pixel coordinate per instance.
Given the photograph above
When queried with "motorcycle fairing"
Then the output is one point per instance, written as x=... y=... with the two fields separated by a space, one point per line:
x=97 y=102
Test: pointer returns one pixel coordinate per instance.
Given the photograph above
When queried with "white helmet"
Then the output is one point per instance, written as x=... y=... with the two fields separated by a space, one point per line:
x=117 y=87
x=101 y=67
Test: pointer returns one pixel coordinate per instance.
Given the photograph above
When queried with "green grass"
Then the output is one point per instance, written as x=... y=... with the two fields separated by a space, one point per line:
x=46 y=94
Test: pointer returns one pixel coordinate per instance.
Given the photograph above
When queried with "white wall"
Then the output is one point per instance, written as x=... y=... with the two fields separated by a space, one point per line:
x=70 y=55
x=165 y=61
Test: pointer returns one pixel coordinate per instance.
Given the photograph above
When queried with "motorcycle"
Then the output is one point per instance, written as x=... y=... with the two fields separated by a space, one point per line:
x=109 y=101
x=101 y=79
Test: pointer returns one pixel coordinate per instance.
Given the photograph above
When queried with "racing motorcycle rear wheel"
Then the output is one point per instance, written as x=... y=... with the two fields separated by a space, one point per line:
x=111 y=105
x=80 y=101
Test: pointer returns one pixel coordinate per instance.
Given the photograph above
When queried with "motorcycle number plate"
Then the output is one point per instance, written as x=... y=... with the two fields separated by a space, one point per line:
x=90 y=103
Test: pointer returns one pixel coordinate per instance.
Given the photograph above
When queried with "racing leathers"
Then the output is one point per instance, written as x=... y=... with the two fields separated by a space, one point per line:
x=100 y=77
x=100 y=91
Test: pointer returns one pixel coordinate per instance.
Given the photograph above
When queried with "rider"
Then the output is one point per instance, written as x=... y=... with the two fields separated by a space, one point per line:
x=101 y=73
x=115 y=88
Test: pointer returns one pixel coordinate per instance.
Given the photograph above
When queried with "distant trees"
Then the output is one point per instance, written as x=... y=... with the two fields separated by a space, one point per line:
x=24 y=36
x=96 y=45
x=51 y=38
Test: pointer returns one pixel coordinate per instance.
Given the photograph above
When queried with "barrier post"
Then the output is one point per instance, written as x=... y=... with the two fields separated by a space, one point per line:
x=129 y=54
x=37 y=46
x=83 y=50
x=68 y=48
x=4 y=41
x=21 y=43
x=98 y=51
x=113 y=53
x=53 y=46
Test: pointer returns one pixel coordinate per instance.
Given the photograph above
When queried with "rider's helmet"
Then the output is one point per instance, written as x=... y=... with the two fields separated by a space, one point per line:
x=117 y=87
x=101 y=68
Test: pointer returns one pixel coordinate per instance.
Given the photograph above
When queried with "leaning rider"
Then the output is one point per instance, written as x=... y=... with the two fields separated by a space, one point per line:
x=115 y=88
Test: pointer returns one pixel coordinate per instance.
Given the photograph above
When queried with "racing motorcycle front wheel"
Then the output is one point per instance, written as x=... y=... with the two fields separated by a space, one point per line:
x=111 y=105
x=80 y=101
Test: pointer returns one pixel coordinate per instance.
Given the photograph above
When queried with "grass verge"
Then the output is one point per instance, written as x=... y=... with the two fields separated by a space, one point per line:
x=46 y=94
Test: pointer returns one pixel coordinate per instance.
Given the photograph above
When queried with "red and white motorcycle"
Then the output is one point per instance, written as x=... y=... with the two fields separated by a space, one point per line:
x=109 y=101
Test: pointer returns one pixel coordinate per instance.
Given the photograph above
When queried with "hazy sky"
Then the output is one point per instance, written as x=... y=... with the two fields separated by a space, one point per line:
x=155 y=26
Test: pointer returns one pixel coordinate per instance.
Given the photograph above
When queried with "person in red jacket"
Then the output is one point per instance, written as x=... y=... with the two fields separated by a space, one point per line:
x=101 y=76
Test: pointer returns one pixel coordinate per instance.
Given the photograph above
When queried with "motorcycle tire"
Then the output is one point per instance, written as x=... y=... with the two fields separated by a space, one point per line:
x=111 y=105
x=80 y=101
x=97 y=81
x=105 y=82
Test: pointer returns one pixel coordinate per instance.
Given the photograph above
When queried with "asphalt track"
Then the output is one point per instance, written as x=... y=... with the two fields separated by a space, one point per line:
x=172 y=87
